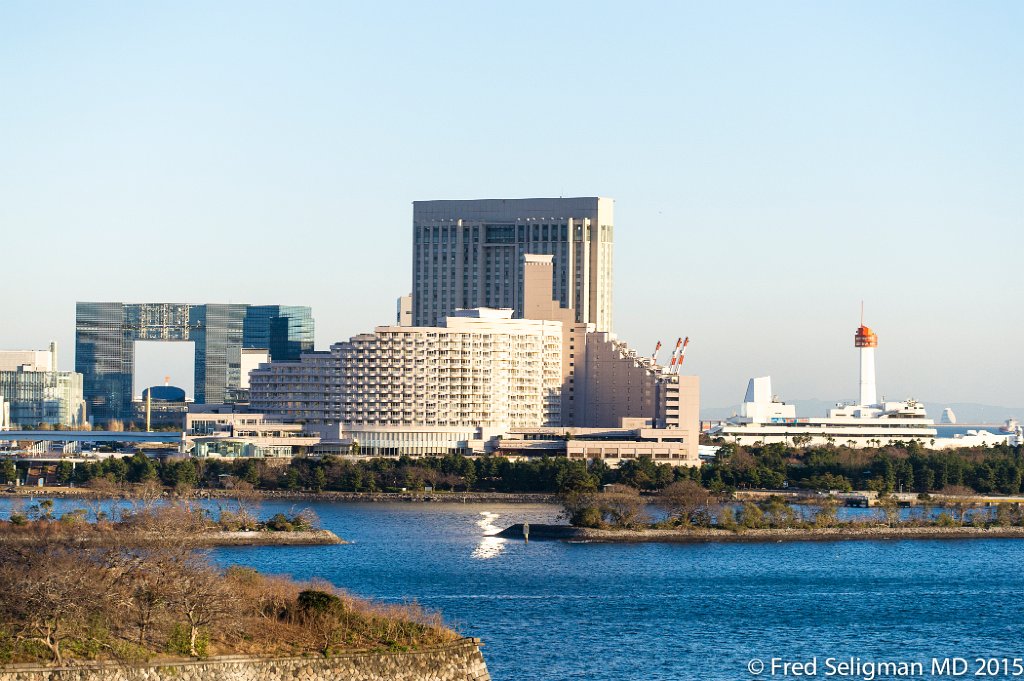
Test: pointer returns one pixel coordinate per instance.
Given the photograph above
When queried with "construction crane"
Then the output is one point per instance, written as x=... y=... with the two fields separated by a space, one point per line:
x=672 y=359
x=678 y=355
x=654 y=355
x=682 y=354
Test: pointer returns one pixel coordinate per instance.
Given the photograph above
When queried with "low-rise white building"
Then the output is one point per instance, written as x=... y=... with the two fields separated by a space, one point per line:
x=763 y=419
x=633 y=439
x=220 y=431
x=974 y=438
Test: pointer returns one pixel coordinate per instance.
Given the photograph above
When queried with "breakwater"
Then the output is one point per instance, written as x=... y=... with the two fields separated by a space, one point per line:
x=706 y=535
x=212 y=539
x=459 y=661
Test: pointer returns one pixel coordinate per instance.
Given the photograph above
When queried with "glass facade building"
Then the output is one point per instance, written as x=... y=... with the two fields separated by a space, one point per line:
x=285 y=330
x=42 y=397
x=105 y=336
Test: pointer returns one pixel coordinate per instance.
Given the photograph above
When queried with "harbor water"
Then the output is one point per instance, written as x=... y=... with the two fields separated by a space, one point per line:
x=550 y=611
x=656 y=612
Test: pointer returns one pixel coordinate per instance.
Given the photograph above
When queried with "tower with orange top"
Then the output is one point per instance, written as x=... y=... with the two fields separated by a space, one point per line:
x=866 y=341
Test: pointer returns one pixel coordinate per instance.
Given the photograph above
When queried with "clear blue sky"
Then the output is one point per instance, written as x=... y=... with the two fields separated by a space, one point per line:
x=773 y=163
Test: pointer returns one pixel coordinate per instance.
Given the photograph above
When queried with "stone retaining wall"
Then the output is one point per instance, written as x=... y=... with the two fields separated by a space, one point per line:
x=461 y=661
x=699 y=535
x=388 y=497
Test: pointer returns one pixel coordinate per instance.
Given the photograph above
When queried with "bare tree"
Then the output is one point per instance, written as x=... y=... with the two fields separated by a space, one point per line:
x=684 y=500
x=144 y=591
x=147 y=494
x=49 y=604
x=890 y=507
x=248 y=501
x=621 y=506
x=958 y=498
x=200 y=595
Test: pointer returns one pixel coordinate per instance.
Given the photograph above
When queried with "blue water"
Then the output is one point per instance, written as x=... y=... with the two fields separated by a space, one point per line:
x=652 y=612
x=552 y=610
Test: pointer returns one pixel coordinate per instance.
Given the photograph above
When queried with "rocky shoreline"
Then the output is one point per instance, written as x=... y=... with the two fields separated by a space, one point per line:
x=263 y=538
x=708 y=535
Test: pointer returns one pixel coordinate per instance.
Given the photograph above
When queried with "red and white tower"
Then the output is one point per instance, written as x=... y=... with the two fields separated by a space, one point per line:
x=866 y=340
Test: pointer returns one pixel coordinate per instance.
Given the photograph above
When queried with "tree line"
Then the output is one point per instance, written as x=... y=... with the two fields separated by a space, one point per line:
x=903 y=467
x=907 y=468
x=451 y=473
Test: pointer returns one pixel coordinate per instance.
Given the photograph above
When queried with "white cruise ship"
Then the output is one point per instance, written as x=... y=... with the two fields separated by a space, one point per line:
x=764 y=419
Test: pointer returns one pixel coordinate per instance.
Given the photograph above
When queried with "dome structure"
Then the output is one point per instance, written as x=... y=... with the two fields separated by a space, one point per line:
x=164 y=393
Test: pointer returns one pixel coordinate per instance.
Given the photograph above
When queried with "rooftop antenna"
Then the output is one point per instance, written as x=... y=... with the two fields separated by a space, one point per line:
x=862 y=313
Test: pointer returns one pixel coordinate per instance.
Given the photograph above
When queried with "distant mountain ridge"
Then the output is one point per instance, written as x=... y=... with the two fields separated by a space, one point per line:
x=966 y=412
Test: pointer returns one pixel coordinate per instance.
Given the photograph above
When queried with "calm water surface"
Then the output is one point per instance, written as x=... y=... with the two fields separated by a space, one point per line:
x=553 y=610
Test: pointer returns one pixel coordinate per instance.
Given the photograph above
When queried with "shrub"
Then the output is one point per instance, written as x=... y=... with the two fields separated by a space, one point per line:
x=315 y=601
x=727 y=518
x=178 y=642
x=280 y=523
x=586 y=517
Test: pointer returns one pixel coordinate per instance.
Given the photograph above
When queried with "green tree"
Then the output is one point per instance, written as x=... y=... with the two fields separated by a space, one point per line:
x=65 y=469
x=141 y=468
x=319 y=479
x=468 y=472
x=8 y=472
x=575 y=478
x=751 y=516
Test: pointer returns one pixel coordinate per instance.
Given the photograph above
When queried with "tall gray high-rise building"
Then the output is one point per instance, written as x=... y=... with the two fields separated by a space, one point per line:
x=469 y=254
x=105 y=335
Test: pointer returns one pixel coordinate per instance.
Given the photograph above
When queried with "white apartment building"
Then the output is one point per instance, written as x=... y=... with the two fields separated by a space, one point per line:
x=303 y=391
x=435 y=389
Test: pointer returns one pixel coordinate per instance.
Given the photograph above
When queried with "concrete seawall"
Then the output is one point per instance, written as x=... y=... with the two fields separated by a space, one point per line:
x=460 y=661
x=392 y=497
x=299 y=496
x=700 y=535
